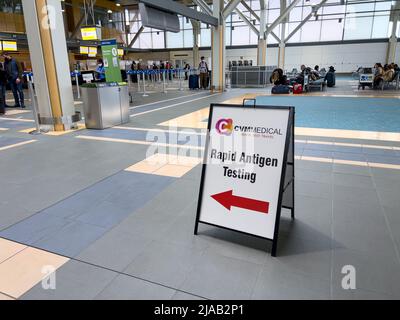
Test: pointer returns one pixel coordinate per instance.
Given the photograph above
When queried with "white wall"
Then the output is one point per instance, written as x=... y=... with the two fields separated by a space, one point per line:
x=344 y=57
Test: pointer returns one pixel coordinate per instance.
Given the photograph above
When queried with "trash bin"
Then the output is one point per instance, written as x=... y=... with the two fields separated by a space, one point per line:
x=105 y=104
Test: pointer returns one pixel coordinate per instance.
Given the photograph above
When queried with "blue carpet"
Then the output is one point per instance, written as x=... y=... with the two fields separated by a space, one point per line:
x=365 y=114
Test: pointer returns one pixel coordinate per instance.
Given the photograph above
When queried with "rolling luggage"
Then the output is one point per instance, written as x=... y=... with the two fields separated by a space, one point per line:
x=297 y=88
x=280 y=89
x=194 y=82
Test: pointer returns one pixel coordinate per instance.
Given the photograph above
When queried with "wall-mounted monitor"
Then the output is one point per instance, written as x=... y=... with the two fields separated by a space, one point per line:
x=84 y=50
x=91 y=33
x=9 y=45
x=92 y=52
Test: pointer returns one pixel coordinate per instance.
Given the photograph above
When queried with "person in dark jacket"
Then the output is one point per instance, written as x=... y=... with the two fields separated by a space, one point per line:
x=330 y=77
x=14 y=77
x=3 y=84
x=278 y=78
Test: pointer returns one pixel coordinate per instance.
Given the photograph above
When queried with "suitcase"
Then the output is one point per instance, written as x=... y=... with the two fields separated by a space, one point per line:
x=194 y=82
x=297 y=88
x=280 y=89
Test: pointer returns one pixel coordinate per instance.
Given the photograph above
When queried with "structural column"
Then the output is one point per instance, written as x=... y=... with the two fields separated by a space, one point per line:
x=196 y=54
x=392 y=46
x=262 y=41
x=282 y=45
x=218 y=48
x=48 y=51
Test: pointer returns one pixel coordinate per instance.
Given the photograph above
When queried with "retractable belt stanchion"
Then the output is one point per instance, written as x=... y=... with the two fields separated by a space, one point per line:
x=144 y=86
x=180 y=80
x=34 y=105
x=129 y=86
x=138 y=80
x=76 y=74
x=164 y=80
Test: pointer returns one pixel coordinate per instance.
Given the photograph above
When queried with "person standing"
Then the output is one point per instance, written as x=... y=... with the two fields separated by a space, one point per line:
x=203 y=68
x=3 y=84
x=14 y=77
x=187 y=69
x=100 y=71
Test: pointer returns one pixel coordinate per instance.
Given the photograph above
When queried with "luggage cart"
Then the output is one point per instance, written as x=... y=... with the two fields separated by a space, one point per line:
x=366 y=80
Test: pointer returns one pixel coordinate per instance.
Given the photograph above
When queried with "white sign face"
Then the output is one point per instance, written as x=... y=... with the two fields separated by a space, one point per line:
x=88 y=77
x=245 y=156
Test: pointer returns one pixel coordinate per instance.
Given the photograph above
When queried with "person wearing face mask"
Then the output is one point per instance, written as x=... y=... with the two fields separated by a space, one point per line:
x=14 y=77
x=100 y=71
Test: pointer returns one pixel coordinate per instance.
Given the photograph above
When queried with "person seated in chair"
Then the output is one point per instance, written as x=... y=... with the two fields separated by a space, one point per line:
x=378 y=74
x=278 y=78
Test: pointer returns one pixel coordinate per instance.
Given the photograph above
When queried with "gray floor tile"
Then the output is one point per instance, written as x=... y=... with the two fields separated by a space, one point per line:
x=313 y=189
x=72 y=239
x=74 y=280
x=275 y=282
x=389 y=198
x=307 y=230
x=219 y=277
x=185 y=296
x=115 y=250
x=357 y=181
x=355 y=195
x=104 y=214
x=313 y=165
x=128 y=288
x=164 y=263
x=351 y=170
x=35 y=228
x=314 y=176
x=309 y=257
x=374 y=272
x=365 y=235
x=354 y=212
x=385 y=183
x=338 y=293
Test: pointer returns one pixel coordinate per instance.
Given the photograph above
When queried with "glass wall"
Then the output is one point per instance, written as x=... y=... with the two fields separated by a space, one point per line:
x=336 y=21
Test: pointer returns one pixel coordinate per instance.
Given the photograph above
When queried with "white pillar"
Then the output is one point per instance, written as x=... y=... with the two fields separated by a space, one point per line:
x=392 y=45
x=262 y=41
x=48 y=51
x=218 y=48
x=282 y=45
x=196 y=45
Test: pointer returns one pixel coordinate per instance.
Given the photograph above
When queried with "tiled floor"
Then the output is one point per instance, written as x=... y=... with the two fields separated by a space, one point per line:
x=117 y=222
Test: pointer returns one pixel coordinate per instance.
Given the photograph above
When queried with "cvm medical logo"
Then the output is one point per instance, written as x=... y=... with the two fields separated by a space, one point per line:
x=224 y=126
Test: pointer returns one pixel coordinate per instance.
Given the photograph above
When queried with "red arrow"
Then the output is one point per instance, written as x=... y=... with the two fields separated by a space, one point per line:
x=228 y=200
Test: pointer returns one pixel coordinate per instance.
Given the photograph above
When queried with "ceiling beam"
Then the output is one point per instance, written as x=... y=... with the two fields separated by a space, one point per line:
x=283 y=15
x=136 y=37
x=302 y=23
x=230 y=7
x=204 y=6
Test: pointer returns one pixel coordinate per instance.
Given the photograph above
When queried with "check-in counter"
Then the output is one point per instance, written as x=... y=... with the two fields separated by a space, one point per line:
x=105 y=104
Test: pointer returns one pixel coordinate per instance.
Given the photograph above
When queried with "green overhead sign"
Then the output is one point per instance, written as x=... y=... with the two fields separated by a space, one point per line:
x=109 y=50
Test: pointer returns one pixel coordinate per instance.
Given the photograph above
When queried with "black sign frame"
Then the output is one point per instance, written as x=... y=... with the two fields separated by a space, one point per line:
x=284 y=184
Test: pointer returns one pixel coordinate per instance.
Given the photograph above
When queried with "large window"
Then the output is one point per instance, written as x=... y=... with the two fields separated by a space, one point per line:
x=335 y=21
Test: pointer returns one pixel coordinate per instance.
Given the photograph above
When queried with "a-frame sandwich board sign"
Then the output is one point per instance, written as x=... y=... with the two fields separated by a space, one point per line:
x=248 y=170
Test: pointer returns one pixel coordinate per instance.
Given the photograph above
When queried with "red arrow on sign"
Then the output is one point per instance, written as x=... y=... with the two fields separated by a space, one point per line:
x=228 y=200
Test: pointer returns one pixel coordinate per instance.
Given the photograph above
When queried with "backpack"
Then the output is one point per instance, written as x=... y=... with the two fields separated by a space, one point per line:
x=203 y=68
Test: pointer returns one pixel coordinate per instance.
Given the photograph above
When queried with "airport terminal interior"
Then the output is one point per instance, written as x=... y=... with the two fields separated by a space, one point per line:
x=106 y=136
